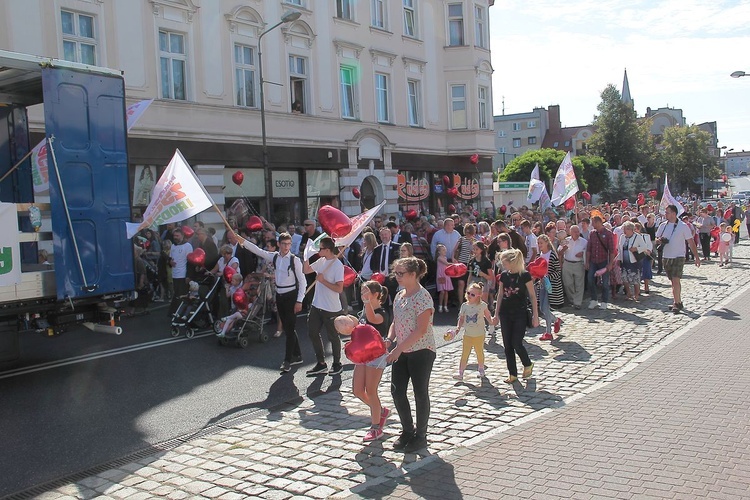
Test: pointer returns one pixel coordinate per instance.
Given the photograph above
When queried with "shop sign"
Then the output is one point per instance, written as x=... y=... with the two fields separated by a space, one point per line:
x=285 y=184
x=467 y=187
x=412 y=188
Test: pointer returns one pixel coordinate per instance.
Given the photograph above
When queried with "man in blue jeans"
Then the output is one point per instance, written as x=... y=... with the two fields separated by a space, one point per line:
x=600 y=254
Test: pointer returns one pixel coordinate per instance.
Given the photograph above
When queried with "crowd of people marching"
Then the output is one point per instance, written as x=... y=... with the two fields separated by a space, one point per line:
x=517 y=269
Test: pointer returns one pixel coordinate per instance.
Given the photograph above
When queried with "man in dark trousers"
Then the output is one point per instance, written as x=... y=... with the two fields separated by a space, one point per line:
x=310 y=233
x=382 y=258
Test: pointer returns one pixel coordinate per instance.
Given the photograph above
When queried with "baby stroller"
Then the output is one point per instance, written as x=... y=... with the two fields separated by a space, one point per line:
x=251 y=323
x=195 y=310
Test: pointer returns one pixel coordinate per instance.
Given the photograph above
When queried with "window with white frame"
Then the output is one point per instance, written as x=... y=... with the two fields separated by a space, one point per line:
x=298 y=3
x=501 y=133
x=501 y=149
x=517 y=142
x=244 y=75
x=382 y=97
x=378 y=14
x=415 y=102
x=345 y=9
x=458 y=106
x=298 y=83
x=483 y=96
x=516 y=126
x=455 y=24
x=532 y=140
x=79 y=37
x=480 y=26
x=349 y=105
x=410 y=17
x=531 y=124
x=173 y=62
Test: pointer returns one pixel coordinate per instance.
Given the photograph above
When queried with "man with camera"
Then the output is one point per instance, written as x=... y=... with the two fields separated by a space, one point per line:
x=671 y=237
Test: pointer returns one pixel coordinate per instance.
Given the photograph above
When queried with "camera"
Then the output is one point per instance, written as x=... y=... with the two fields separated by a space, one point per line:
x=664 y=240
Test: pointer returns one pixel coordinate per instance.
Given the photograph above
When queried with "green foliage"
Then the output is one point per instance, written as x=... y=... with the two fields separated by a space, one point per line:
x=640 y=183
x=617 y=134
x=591 y=171
x=683 y=154
x=595 y=174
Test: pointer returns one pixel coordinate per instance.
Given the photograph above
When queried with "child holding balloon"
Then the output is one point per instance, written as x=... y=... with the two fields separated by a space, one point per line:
x=444 y=283
x=367 y=376
x=472 y=316
x=726 y=239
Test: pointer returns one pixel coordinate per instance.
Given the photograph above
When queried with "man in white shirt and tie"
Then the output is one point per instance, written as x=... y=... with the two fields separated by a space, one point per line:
x=573 y=251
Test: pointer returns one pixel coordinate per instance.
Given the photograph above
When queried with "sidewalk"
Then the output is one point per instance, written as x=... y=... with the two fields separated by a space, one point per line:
x=313 y=448
x=678 y=426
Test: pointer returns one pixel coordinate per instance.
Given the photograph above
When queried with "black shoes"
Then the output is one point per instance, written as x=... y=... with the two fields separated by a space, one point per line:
x=676 y=308
x=403 y=440
x=336 y=369
x=415 y=444
x=318 y=369
x=297 y=360
x=286 y=367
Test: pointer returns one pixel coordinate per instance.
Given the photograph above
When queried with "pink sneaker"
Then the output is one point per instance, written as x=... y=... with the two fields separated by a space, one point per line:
x=384 y=413
x=372 y=434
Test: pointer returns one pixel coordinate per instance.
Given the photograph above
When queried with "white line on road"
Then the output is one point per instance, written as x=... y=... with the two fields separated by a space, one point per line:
x=96 y=355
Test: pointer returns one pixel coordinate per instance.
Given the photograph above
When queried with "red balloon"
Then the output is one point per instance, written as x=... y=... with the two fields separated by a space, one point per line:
x=503 y=209
x=446 y=180
x=474 y=159
x=476 y=213
x=379 y=277
x=653 y=193
x=411 y=214
x=229 y=271
x=710 y=208
x=586 y=195
x=350 y=276
x=727 y=214
x=238 y=177
x=456 y=270
x=334 y=222
x=240 y=299
x=188 y=231
x=624 y=203
x=197 y=257
x=570 y=203
x=356 y=193
x=146 y=244
x=366 y=345
x=254 y=224
x=453 y=192
x=451 y=208
x=537 y=268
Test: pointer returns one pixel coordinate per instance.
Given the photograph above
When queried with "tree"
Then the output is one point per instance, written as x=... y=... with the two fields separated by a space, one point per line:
x=640 y=182
x=683 y=156
x=594 y=172
x=590 y=170
x=617 y=135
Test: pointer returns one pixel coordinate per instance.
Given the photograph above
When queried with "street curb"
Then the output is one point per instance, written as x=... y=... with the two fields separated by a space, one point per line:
x=626 y=369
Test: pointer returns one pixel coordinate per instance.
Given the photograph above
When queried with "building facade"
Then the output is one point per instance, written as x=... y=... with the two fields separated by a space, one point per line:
x=517 y=133
x=384 y=96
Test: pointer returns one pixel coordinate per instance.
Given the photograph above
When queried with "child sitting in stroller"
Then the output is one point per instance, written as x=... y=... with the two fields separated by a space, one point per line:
x=236 y=312
x=190 y=302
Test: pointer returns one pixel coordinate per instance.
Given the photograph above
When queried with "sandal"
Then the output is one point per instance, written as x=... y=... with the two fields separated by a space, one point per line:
x=511 y=379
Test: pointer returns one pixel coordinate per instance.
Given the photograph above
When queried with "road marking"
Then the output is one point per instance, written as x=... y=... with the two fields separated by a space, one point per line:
x=96 y=355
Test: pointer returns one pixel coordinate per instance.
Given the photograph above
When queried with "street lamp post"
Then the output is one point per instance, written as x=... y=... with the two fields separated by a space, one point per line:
x=288 y=17
x=703 y=183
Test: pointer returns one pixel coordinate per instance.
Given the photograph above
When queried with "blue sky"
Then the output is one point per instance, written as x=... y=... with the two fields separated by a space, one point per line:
x=678 y=53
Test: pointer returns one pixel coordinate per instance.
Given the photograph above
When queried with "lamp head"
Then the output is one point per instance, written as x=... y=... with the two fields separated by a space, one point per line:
x=290 y=15
x=738 y=74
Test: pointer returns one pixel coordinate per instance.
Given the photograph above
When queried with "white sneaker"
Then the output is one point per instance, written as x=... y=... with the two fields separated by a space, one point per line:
x=603 y=305
x=592 y=304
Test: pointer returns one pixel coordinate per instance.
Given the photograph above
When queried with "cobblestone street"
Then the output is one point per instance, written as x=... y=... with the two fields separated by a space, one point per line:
x=313 y=448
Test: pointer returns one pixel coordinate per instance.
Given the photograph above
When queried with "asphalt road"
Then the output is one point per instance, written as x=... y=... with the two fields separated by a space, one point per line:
x=739 y=184
x=132 y=391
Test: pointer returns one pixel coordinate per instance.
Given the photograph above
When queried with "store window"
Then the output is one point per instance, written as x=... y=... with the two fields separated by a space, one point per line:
x=413 y=190
x=322 y=189
x=246 y=199
x=467 y=189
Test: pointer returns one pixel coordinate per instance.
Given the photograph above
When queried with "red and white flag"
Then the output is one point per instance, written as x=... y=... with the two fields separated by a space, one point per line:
x=177 y=196
x=565 y=184
x=358 y=224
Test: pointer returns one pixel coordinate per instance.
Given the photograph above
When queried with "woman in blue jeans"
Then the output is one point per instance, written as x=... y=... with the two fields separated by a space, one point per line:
x=414 y=353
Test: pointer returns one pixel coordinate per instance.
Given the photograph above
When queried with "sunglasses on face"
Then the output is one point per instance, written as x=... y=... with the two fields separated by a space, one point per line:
x=472 y=294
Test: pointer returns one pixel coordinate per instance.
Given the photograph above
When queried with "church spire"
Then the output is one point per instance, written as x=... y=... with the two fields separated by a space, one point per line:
x=626 y=98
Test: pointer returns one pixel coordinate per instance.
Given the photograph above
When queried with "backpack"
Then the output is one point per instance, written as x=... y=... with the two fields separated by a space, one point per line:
x=291 y=266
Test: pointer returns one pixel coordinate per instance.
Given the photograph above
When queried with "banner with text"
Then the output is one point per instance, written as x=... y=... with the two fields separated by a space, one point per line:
x=10 y=258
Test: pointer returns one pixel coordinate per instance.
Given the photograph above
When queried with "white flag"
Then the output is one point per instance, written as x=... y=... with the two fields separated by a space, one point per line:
x=565 y=184
x=667 y=199
x=358 y=224
x=177 y=195
x=39 y=172
x=536 y=186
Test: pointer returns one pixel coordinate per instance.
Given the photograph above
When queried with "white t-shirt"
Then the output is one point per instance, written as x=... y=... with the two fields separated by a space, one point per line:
x=179 y=253
x=677 y=233
x=531 y=244
x=333 y=272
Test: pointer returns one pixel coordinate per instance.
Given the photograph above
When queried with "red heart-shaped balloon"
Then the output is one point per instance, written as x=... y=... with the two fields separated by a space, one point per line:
x=452 y=192
x=446 y=180
x=379 y=277
x=334 y=222
x=254 y=223
x=240 y=299
x=653 y=193
x=456 y=270
x=710 y=208
x=537 y=268
x=238 y=177
x=474 y=159
x=570 y=203
x=586 y=195
x=503 y=209
x=356 y=193
x=366 y=345
x=411 y=214
x=476 y=213
x=624 y=203
x=350 y=276
x=727 y=214
x=228 y=273
x=188 y=231
x=197 y=257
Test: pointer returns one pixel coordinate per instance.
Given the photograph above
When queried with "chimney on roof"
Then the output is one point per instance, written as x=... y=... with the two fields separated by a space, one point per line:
x=554 y=118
